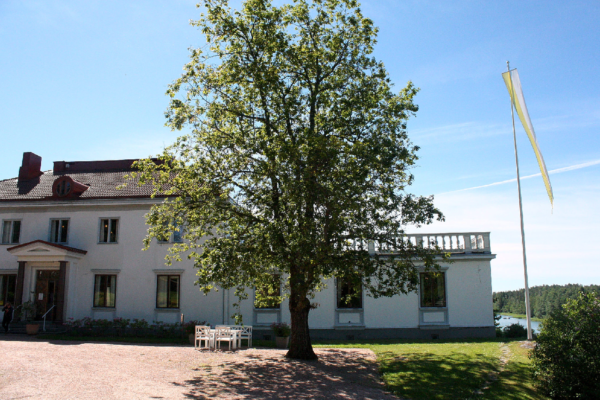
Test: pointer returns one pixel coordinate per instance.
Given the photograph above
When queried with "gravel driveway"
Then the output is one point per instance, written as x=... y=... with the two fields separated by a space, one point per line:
x=36 y=369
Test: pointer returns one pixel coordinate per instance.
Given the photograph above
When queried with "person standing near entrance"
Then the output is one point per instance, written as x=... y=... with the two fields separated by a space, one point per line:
x=8 y=315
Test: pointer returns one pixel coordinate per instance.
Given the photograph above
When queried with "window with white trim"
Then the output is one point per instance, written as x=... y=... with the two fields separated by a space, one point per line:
x=167 y=291
x=349 y=294
x=271 y=294
x=59 y=230
x=105 y=291
x=433 y=289
x=175 y=237
x=108 y=230
x=8 y=283
x=11 y=231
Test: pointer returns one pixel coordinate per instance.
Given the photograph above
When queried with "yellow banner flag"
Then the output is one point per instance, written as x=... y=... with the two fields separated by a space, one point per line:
x=513 y=84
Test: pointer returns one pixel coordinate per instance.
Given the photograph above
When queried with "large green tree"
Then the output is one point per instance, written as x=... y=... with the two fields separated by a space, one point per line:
x=297 y=158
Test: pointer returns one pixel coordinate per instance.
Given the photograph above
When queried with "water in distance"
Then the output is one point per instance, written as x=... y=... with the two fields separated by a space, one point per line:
x=506 y=320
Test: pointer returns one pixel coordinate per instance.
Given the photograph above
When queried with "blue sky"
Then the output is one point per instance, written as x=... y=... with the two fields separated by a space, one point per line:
x=86 y=81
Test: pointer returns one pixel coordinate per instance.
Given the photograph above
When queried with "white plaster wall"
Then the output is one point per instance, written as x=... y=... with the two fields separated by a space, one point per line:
x=469 y=285
x=323 y=317
x=469 y=292
x=246 y=307
x=392 y=312
x=136 y=281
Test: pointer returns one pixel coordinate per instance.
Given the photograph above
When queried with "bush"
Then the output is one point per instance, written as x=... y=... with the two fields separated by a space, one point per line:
x=120 y=323
x=281 y=330
x=139 y=324
x=124 y=327
x=566 y=358
x=514 y=331
x=190 y=326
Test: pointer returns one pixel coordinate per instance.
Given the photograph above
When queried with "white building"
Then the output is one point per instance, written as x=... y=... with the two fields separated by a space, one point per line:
x=72 y=240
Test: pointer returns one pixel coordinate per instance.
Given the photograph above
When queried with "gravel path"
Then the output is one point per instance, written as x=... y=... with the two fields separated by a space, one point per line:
x=36 y=369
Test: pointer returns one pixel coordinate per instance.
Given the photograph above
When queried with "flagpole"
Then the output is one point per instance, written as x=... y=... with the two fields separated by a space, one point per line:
x=527 y=305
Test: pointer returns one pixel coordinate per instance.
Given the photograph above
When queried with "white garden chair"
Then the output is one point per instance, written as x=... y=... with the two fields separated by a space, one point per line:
x=202 y=335
x=244 y=332
x=225 y=335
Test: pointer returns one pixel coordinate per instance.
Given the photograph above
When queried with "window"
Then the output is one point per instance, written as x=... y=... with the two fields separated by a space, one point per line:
x=7 y=289
x=167 y=291
x=175 y=237
x=272 y=292
x=59 y=229
x=433 y=289
x=108 y=230
x=105 y=289
x=63 y=188
x=11 y=232
x=177 y=234
x=349 y=295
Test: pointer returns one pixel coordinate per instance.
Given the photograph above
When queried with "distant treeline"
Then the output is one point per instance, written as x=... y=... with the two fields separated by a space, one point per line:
x=544 y=299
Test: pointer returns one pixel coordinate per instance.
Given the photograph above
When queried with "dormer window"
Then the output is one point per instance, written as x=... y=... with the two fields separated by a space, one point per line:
x=63 y=188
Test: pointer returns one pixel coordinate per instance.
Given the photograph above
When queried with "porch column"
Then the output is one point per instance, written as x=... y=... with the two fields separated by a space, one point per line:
x=60 y=292
x=20 y=281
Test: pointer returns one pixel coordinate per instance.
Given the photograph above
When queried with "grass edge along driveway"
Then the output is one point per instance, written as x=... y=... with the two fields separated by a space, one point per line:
x=454 y=369
x=457 y=369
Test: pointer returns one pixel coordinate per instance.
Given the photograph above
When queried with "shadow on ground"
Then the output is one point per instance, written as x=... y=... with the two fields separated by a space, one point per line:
x=338 y=374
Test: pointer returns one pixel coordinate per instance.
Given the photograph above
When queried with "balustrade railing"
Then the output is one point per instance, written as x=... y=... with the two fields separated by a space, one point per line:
x=465 y=242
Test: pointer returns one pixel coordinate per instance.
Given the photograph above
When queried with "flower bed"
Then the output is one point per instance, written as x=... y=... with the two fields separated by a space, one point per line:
x=127 y=328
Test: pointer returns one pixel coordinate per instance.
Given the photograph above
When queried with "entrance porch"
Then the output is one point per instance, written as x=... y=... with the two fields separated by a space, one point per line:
x=42 y=276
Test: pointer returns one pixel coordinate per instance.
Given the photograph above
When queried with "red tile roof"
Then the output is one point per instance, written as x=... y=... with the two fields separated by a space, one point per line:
x=102 y=185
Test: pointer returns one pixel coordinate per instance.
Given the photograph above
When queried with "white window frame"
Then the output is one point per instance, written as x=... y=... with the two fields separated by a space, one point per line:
x=101 y=274
x=171 y=238
x=341 y=313
x=274 y=313
x=362 y=298
x=167 y=271
x=110 y=219
x=169 y=275
x=269 y=308
x=4 y=276
x=60 y=230
x=445 y=306
x=426 y=310
x=11 y=232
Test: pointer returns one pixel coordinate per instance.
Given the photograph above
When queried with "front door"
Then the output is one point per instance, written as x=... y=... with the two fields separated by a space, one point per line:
x=45 y=294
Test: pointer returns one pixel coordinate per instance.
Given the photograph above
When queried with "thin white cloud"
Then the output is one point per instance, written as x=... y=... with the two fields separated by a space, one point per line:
x=475 y=130
x=554 y=171
x=461 y=131
x=560 y=246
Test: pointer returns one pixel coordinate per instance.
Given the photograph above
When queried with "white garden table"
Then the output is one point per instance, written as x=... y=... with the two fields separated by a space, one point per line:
x=212 y=342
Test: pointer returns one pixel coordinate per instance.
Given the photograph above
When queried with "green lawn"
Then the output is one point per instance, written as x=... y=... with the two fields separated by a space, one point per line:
x=452 y=369
x=515 y=381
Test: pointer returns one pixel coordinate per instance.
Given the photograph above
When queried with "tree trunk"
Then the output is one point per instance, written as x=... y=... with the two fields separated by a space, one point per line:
x=300 y=345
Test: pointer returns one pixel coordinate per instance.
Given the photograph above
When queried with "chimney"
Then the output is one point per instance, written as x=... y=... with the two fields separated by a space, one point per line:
x=31 y=167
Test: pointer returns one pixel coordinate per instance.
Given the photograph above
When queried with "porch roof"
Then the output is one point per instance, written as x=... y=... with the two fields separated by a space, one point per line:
x=42 y=250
